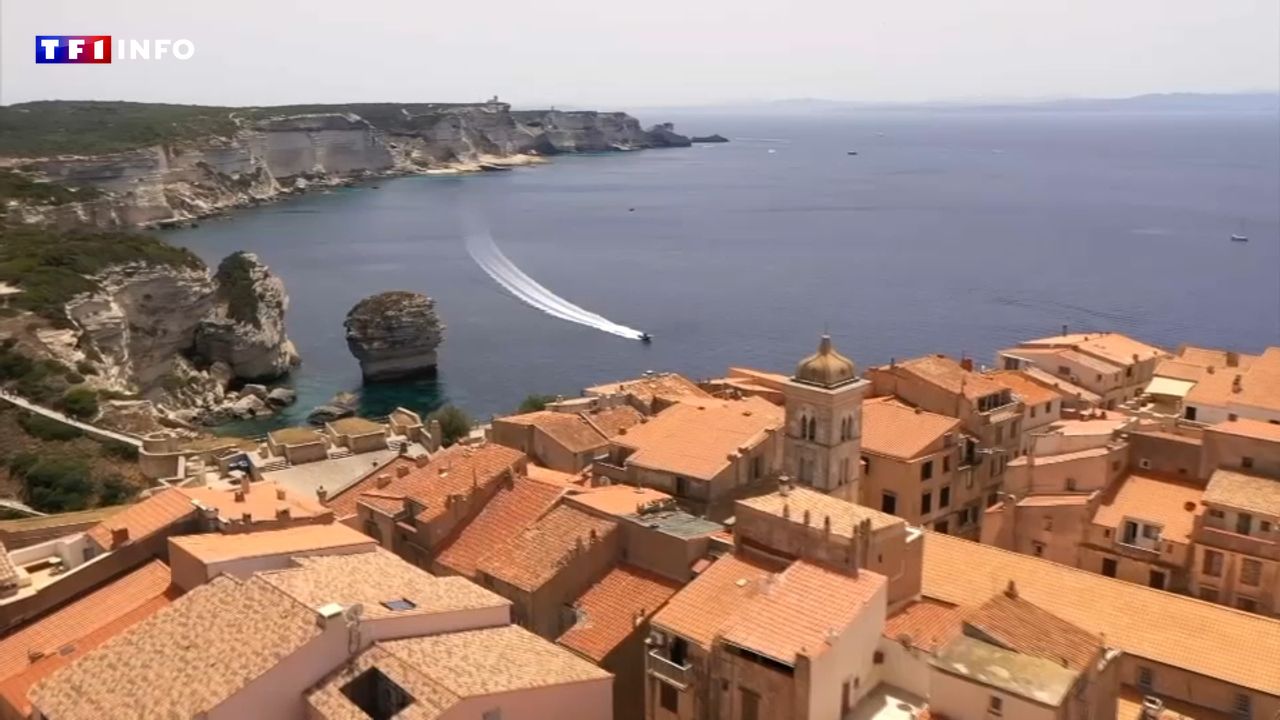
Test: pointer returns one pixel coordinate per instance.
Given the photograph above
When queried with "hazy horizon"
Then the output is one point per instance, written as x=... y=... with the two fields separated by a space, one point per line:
x=717 y=52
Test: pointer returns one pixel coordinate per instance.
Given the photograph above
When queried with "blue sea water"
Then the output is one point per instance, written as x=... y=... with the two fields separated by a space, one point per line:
x=954 y=232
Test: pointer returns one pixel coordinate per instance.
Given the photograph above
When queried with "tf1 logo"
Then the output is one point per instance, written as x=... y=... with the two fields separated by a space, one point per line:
x=97 y=49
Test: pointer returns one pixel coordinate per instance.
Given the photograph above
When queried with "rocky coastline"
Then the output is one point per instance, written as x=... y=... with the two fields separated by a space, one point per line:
x=394 y=335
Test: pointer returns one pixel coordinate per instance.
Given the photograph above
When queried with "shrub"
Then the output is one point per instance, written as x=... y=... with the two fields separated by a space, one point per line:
x=84 y=367
x=535 y=402
x=20 y=463
x=454 y=424
x=74 y=378
x=115 y=490
x=58 y=484
x=14 y=365
x=236 y=287
x=43 y=428
x=80 y=403
x=120 y=450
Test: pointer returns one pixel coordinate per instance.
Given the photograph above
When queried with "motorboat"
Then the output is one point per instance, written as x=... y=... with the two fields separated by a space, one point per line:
x=646 y=338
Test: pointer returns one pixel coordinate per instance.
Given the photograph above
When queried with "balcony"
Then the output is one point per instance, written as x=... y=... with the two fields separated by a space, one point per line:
x=1221 y=539
x=679 y=675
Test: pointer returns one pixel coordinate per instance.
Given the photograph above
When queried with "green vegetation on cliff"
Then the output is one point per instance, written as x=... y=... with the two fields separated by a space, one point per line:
x=236 y=287
x=58 y=127
x=455 y=424
x=19 y=186
x=52 y=267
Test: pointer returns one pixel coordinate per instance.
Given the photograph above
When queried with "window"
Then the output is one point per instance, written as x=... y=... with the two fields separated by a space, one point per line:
x=1156 y=580
x=995 y=706
x=926 y=503
x=866 y=465
x=1130 y=534
x=1037 y=548
x=926 y=470
x=750 y=705
x=1250 y=572
x=1209 y=594
x=1217 y=514
x=999 y=434
x=946 y=463
x=889 y=503
x=1189 y=413
x=1243 y=706
x=1146 y=678
x=1264 y=526
x=1211 y=563
x=1014 y=429
x=1151 y=532
x=1071 y=484
x=668 y=697
x=1064 y=370
x=1109 y=567
x=1244 y=521
x=1128 y=372
x=941 y=526
x=992 y=498
x=1048 y=407
x=1246 y=462
x=757 y=467
x=844 y=470
x=944 y=497
x=1247 y=604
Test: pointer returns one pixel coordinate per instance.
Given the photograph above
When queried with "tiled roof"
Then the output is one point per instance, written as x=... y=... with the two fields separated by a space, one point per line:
x=1241 y=490
x=1112 y=347
x=1163 y=627
x=1062 y=385
x=145 y=517
x=926 y=624
x=450 y=471
x=1212 y=389
x=1245 y=427
x=570 y=430
x=262 y=503
x=535 y=555
x=785 y=620
x=83 y=616
x=8 y=573
x=617 y=499
x=614 y=420
x=893 y=429
x=510 y=511
x=493 y=660
x=218 y=547
x=429 y=700
x=948 y=375
x=1212 y=357
x=844 y=514
x=1030 y=390
x=705 y=606
x=373 y=578
x=608 y=610
x=697 y=439
x=1174 y=504
x=1179 y=370
x=669 y=386
x=1018 y=625
x=1259 y=384
x=244 y=629
x=553 y=477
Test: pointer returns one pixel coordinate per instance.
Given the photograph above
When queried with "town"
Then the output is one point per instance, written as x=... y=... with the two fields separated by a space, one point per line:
x=1084 y=526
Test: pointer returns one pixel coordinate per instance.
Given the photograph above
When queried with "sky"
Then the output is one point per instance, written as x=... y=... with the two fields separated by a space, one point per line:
x=594 y=53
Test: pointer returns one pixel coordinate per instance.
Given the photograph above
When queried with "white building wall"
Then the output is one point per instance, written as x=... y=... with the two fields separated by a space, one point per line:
x=851 y=659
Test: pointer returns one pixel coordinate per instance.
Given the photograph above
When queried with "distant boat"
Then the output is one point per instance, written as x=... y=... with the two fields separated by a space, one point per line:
x=1240 y=236
x=852 y=152
x=646 y=338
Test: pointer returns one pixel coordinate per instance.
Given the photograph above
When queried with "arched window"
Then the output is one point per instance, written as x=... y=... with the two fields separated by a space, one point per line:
x=812 y=432
x=804 y=425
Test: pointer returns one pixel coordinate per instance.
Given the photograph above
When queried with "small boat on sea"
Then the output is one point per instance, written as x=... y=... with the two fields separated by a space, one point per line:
x=646 y=338
x=1239 y=235
x=852 y=152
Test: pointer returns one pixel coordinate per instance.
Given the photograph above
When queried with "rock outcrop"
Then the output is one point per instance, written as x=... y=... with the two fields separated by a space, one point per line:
x=179 y=336
x=717 y=138
x=342 y=405
x=394 y=335
x=269 y=156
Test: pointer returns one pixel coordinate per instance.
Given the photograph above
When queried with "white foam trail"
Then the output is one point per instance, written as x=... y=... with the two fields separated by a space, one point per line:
x=485 y=252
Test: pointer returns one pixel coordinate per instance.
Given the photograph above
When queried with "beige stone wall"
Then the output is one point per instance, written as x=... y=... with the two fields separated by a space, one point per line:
x=780 y=696
x=309 y=452
x=661 y=553
x=958 y=698
x=556 y=456
x=367 y=443
x=849 y=660
x=516 y=436
x=569 y=582
x=1224 y=450
x=589 y=700
x=1180 y=684
x=1228 y=585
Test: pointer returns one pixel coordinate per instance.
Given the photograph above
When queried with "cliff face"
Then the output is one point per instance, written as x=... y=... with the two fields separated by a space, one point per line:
x=269 y=156
x=394 y=335
x=179 y=336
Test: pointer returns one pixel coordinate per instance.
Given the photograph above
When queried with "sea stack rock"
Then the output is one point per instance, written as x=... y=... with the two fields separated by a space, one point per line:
x=245 y=327
x=394 y=335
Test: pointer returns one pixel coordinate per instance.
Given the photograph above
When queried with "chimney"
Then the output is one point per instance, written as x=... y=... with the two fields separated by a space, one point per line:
x=382 y=480
x=786 y=511
x=421 y=461
x=806 y=517
x=245 y=484
x=239 y=496
x=282 y=513
x=1236 y=384
x=402 y=470
x=321 y=494
x=280 y=493
x=784 y=485
x=1233 y=358
x=1209 y=369
x=966 y=363
x=1011 y=590
x=826 y=524
x=246 y=518
x=119 y=536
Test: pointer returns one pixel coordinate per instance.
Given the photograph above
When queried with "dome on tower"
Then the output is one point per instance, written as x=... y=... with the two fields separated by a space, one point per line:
x=826 y=367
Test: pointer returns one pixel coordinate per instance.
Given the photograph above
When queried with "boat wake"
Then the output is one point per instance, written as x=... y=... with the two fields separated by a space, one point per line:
x=485 y=252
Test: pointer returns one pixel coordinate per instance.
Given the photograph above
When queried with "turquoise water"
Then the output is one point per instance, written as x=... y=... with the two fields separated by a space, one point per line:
x=948 y=232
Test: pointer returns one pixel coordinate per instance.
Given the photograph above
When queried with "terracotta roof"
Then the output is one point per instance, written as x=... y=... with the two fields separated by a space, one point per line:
x=355 y=426
x=8 y=573
x=662 y=385
x=144 y=518
x=83 y=616
x=1161 y=626
x=219 y=547
x=616 y=499
x=493 y=660
x=1111 y=347
x=710 y=602
x=1212 y=389
x=925 y=624
x=14 y=690
x=697 y=439
x=570 y=430
x=893 y=429
x=1260 y=386
x=450 y=471
x=374 y=578
x=1016 y=624
x=844 y=514
x=1241 y=490
x=608 y=610
x=1245 y=427
x=1211 y=357
x=553 y=477
x=612 y=421
x=947 y=374
x=535 y=555
x=244 y=629
x=262 y=503
x=511 y=510
x=783 y=621
x=1062 y=385
x=295 y=436
x=1174 y=504
x=1028 y=389
x=1179 y=370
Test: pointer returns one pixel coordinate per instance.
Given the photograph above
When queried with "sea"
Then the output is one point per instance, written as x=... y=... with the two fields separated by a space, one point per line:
x=957 y=232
